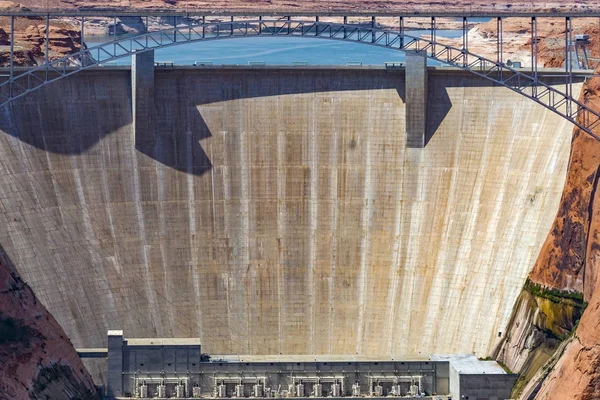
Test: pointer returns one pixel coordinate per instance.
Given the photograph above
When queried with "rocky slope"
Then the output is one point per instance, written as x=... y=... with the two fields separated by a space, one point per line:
x=566 y=273
x=551 y=39
x=577 y=266
x=542 y=319
x=577 y=374
x=30 y=40
x=37 y=360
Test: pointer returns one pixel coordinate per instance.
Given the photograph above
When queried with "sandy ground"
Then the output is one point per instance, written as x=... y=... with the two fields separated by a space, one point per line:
x=507 y=6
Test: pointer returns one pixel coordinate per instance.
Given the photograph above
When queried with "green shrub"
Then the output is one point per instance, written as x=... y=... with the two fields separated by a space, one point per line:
x=555 y=295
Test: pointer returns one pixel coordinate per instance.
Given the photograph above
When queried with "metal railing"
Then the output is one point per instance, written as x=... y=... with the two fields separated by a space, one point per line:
x=528 y=85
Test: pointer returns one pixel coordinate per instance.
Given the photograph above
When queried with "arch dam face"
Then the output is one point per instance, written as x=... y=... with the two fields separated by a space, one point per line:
x=279 y=210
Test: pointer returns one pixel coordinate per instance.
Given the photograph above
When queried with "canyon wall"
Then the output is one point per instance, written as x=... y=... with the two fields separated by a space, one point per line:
x=570 y=261
x=552 y=338
x=37 y=359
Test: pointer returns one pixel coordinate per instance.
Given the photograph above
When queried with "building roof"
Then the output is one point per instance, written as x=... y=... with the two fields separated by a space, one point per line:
x=466 y=364
x=314 y=358
x=163 y=342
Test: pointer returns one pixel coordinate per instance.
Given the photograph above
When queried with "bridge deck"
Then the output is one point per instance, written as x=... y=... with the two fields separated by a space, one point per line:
x=578 y=75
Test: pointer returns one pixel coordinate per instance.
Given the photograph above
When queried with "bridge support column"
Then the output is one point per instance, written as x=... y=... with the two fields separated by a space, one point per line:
x=416 y=99
x=142 y=94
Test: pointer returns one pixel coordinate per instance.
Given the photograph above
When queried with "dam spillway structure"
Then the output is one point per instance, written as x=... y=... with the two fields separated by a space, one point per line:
x=366 y=211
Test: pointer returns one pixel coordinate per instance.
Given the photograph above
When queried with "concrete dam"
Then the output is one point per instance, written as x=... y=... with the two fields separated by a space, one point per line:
x=274 y=210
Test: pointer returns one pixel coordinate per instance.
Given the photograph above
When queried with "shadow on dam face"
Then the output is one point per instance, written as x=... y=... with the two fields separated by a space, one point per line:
x=176 y=144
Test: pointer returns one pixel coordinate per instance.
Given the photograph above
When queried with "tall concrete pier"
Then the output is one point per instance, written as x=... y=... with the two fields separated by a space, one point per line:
x=416 y=99
x=280 y=210
x=142 y=93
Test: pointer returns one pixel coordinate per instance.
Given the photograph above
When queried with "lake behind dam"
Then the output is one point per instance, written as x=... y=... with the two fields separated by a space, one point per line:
x=277 y=51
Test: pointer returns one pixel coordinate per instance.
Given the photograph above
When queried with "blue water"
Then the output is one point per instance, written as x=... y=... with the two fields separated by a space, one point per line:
x=276 y=51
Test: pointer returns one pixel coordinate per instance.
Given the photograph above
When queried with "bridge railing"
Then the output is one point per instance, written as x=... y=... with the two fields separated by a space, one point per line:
x=527 y=84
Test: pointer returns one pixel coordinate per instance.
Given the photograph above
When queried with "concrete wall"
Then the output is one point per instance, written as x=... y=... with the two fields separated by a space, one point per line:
x=454 y=382
x=280 y=211
x=497 y=387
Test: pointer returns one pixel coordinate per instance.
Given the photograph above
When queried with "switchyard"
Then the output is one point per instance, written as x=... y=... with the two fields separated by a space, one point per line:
x=177 y=368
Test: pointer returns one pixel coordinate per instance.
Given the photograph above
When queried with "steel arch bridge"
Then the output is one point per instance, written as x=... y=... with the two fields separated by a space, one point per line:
x=527 y=84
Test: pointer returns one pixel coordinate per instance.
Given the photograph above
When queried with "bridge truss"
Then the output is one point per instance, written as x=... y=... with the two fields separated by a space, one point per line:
x=523 y=81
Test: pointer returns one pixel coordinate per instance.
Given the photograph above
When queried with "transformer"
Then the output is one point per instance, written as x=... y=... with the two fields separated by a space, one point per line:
x=180 y=391
x=318 y=390
x=291 y=391
x=414 y=390
x=143 y=390
x=378 y=390
x=196 y=392
x=162 y=390
x=239 y=390
x=300 y=390
x=356 y=390
x=221 y=391
x=336 y=390
x=396 y=390
x=258 y=390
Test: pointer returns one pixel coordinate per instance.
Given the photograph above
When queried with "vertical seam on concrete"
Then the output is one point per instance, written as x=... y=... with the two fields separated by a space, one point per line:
x=395 y=266
x=364 y=249
x=90 y=234
x=492 y=303
x=412 y=247
x=148 y=278
x=161 y=246
x=334 y=222
x=244 y=232
x=212 y=190
x=224 y=276
x=193 y=231
x=280 y=230
x=312 y=211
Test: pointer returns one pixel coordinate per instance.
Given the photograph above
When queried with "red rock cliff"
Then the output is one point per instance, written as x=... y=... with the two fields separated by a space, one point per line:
x=570 y=260
x=37 y=360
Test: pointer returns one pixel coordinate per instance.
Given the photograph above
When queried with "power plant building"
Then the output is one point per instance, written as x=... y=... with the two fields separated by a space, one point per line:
x=177 y=368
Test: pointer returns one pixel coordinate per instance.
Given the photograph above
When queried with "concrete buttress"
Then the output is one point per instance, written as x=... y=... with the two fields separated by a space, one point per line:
x=416 y=99
x=142 y=94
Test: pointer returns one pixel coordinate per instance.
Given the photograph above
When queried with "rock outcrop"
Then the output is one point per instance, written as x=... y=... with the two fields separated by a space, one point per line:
x=577 y=374
x=30 y=40
x=542 y=318
x=566 y=273
x=37 y=360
